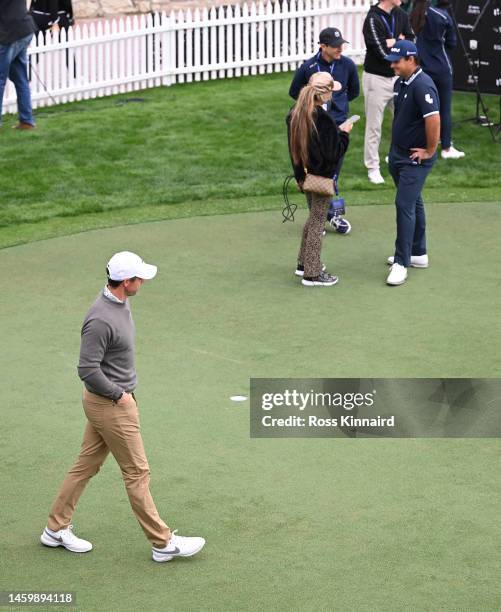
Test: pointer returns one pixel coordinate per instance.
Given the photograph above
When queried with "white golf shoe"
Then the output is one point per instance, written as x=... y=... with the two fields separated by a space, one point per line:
x=397 y=275
x=375 y=177
x=452 y=153
x=66 y=538
x=417 y=261
x=178 y=546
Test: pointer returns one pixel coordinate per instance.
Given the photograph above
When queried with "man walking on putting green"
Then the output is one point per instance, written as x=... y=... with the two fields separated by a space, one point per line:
x=107 y=369
x=415 y=134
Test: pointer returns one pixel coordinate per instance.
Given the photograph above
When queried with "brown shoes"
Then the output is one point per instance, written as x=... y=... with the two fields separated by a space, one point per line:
x=23 y=126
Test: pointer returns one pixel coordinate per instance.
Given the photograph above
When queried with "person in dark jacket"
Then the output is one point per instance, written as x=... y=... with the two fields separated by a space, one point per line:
x=384 y=24
x=316 y=144
x=436 y=36
x=52 y=14
x=16 y=32
x=330 y=58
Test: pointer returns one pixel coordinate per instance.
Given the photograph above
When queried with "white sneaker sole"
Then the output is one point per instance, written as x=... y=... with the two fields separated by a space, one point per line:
x=161 y=558
x=452 y=156
x=53 y=544
x=412 y=265
x=308 y=283
x=395 y=284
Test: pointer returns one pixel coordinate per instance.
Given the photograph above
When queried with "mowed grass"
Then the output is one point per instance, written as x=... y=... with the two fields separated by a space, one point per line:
x=309 y=525
x=194 y=149
x=340 y=525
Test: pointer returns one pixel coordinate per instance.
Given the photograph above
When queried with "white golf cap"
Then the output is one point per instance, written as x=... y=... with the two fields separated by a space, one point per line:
x=125 y=265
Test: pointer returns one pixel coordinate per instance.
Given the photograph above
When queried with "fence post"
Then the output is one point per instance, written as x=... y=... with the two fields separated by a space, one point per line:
x=189 y=46
x=238 y=39
x=205 y=43
x=229 y=40
x=221 y=42
x=277 y=35
x=245 y=38
x=253 y=45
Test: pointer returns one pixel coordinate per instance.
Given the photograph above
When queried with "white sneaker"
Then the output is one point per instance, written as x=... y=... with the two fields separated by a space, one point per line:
x=417 y=261
x=375 y=177
x=178 y=546
x=66 y=538
x=397 y=275
x=387 y=159
x=452 y=153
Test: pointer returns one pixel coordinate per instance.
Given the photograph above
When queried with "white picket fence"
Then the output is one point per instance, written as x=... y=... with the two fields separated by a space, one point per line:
x=139 y=52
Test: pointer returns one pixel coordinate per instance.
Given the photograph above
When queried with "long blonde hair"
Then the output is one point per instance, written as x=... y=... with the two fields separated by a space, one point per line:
x=302 y=122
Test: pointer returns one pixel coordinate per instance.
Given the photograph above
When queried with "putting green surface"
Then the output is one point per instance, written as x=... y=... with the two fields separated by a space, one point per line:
x=293 y=524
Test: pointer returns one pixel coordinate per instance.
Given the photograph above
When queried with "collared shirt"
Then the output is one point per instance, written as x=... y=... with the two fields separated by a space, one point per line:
x=107 y=294
x=415 y=99
x=342 y=70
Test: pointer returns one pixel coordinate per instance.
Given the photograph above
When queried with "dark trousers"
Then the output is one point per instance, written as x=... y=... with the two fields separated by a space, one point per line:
x=443 y=84
x=411 y=220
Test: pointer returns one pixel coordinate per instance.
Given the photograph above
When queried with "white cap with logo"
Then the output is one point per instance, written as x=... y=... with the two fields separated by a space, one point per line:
x=126 y=265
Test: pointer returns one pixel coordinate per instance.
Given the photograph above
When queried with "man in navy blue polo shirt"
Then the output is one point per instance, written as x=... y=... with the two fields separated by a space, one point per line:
x=330 y=58
x=415 y=135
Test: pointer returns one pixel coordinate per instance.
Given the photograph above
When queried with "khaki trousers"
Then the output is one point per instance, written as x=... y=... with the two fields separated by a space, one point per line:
x=378 y=95
x=114 y=428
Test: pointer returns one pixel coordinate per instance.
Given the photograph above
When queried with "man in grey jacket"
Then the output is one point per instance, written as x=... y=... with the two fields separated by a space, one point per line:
x=16 y=32
x=107 y=369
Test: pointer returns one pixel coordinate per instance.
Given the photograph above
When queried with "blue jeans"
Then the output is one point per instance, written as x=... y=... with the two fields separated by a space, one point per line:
x=14 y=65
x=411 y=220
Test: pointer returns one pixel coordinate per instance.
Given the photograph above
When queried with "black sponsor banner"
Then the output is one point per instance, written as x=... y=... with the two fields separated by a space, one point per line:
x=375 y=407
x=479 y=25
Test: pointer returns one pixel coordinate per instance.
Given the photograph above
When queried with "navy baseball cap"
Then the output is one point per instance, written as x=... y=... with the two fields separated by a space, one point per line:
x=402 y=48
x=331 y=37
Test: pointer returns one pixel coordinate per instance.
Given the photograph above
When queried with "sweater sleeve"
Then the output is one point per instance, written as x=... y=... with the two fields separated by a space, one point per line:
x=333 y=142
x=353 y=87
x=298 y=82
x=407 y=30
x=375 y=38
x=450 y=35
x=96 y=337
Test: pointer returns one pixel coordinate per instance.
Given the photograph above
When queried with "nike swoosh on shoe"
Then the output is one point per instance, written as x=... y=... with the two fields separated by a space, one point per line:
x=176 y=551
x=59 y=539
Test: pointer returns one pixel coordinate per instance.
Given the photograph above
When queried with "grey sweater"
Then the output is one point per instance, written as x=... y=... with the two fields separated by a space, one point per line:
x=107 y=360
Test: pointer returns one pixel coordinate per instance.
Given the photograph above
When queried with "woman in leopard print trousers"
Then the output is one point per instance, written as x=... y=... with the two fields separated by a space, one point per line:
x=315 y=143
